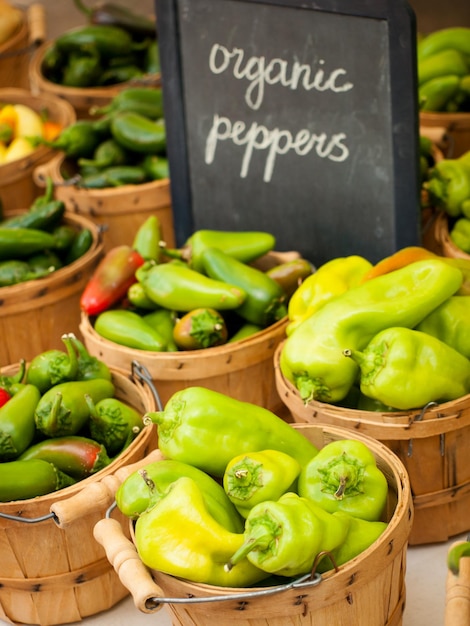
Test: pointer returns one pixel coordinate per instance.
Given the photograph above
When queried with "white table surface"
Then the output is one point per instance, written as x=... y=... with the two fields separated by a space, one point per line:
x=425 y=594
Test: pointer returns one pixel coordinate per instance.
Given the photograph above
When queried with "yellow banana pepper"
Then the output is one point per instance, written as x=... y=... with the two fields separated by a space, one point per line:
x=331 y=279
x=28 y=122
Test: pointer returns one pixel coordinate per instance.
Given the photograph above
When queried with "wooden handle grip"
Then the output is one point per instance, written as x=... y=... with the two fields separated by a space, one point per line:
x=126 y=562
x=97 y=496
x=457 y=610
x=36 y=23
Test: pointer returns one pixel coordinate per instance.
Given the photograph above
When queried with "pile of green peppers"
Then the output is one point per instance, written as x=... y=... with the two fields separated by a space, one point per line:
x=37 y=242
x=123 y=143
x=242 y=498
x=395 y=339
x=207 y=293
x=444 y=70
x=60 y=422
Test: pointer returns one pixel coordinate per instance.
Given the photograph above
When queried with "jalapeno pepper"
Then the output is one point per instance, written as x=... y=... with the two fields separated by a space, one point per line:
x=109 y=14
x=53 y=366
x=78 y=140
x=139 y=133
x=113 y=423
x=144 y=100
x=147 y=239
x=89 y=366
x=21 y=480
x=107 y=153
x=80 y=245
x=109 y=41
x=41 y=218
x=17 y=425
x=20 y=243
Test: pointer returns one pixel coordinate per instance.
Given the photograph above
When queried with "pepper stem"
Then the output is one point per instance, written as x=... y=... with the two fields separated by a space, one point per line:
x=259 y=537
x=73 y=360
x=55 y=412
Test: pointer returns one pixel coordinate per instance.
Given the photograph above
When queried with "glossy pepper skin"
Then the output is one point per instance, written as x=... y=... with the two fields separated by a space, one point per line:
x=163 y=321
x=128 y=328
x=13 y=382
x=63 y=410
x=207 y=429
x=332 y=278
x=285 y=536
x=139 y=133
x=17 y=425
x=344 y=477
x=449 y=186
x=109 y=41
x=147 y=101
x=200 y=328
x=21 y=480
x=53 y=367
x=291 y=274
x=111 y=279
x=79 y=140
x=143 y=488
x=450 y=322
x=259 y=476
x=178 y=536
x=265 y=299
x=407 y=368
x=147 y=239
x=89 y=367
x=180 y=288
x=312 y=356
x=113 y=423
x=76 y=456
x=460 y=234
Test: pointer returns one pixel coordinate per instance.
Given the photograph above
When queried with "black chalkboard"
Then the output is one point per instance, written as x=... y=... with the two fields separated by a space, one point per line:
x=295 y=117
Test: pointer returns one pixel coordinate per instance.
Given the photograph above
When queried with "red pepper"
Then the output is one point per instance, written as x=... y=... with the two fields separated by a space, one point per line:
x=4 y=396
x=111 y=279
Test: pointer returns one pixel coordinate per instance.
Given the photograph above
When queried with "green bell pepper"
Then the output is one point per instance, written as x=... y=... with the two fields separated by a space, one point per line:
x=344 y=477
x=407 y=369
x=207 y=429
x=312 y=356
x=450 y=322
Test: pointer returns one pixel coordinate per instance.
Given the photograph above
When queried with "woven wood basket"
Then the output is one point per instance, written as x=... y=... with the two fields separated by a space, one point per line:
x=120 y=211
x=243 y=369
x=369 y=589
x=57 y=573
x=433 y=446
x=82 y=99
x=441 y=236
x=34 y=314
x=457 y=126
x=18 y=188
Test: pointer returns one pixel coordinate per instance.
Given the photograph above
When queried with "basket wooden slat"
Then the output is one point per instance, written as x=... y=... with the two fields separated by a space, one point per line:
x=457 y=126
x=369 y=589
x=433 y=446
x=51 y=575
x=440 y=232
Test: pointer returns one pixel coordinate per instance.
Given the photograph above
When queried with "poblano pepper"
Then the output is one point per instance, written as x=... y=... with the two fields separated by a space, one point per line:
x=258 y=476
x=144 y=487
x=53 y=367
x=178 y=536
x=407 y=368
x=344 y=477
x=450 y=322
x=312 y=356
x=207 y=429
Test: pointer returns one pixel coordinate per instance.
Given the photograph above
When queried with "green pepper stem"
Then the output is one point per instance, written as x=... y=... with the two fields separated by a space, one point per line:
x=259 y=537
x=55 y=412
x=455 y=554
x=73 y=360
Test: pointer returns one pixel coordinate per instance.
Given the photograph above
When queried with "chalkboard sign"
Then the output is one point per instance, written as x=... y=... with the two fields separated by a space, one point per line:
x=299 y=118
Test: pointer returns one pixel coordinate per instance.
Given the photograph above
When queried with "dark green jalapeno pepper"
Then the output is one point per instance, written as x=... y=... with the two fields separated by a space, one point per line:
x=64 y=236
x=17 y=425
x=119 y=175
x=89 y=367
x=127 y=328
x=120 y=74
x=156 y=167
x=194 y=428
x=76 y=456
x=21 y=480
x=44 y=263
x=14 y=271
x=143 y=488
x=265 y=299
x=53 y=367
x=83 y=69
x=144 y=100
x=41 y=217
x=139 y=133
x=63 y=410
x=109 y=41
x=77 y=140
x=19 y=243
x=107 y=153
x=52 y=64
x=113 y=423
x=80 y=245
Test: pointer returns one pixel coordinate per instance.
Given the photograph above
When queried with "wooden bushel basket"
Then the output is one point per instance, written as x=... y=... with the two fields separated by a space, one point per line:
x=367 y=590
x=56 y=573
x=432 y=444
x=18 y=188
x=441 y=236
x=457 y=126
x=120 y=211
x=34 y=314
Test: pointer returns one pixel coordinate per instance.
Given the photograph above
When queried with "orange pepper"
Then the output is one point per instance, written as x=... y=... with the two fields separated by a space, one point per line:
x=399 y=259
x=51 y=130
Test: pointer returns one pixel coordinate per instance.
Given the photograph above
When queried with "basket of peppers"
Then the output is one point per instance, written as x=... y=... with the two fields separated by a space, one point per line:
x=88 y=65
x=211 y=312
x=67 y=421
x=243 y=509
x=383 y=349
x=113 y=167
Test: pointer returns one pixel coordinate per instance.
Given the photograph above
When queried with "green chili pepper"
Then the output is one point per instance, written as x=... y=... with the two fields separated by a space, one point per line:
x=245 y=331
x=120 y=74
x=200 y=328
x=127 y=328
x=89 y=367
x=143 y=488
x=83 y=69
x=41 y=218
x=291 y=274
x=13 y=381
x=76 y=456
x=456 y=37
x=19 y=243
x=163 y=321
x=194 y=428
x=443 y=63
x=15 y=271
x=113 y=423
x=259 y=476
x=107 y=153
x=456 y=552
x=407 y=368
x=244 y=246
x=44 y=263
x=147 y=239
x=180 y=288
x=21 y=480
x=312 y=356
x=146 y=101
x=178 y=536
x=64 y=236
x=285 y=537
x=139 y=133
x=436 y=93
x=449 y=185
x=17 y=426
x=63 y=410
x=109 y=41
x=119 y=175
x=265 y=299
x=78 y=140
x=80 y=245
x=52 y=64
x=344 y=477
x=460 y=234
x=450 y=322
x=53 y=367
x=139 y=299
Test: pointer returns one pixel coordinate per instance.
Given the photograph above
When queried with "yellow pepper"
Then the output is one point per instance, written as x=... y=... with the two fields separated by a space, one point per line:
x=331 y=279
x=18 y=148
x=28 y=122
